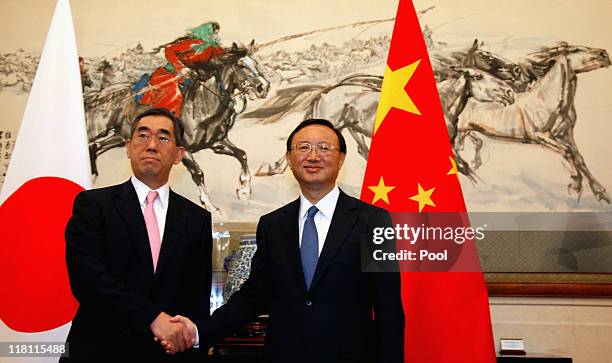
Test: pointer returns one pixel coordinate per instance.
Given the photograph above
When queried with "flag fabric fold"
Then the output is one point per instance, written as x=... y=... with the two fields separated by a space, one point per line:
x=411 y=169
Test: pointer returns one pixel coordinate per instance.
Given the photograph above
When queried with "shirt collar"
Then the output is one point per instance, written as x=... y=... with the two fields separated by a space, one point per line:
x=142 y=190
x=326 y=205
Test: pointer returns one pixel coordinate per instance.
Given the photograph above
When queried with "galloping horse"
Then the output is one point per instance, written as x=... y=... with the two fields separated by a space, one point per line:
x=207 y=117
x=455 y=94
x=546 y=114
x=352 y=103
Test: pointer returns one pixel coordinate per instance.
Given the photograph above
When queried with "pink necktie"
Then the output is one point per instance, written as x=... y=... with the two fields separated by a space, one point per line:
x=152 y=228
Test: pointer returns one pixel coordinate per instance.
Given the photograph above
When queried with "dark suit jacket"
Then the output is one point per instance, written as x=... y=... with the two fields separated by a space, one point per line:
x=111 y=273
x=346 y=316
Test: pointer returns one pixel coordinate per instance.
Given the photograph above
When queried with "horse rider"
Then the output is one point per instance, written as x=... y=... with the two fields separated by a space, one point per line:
x=199 y=49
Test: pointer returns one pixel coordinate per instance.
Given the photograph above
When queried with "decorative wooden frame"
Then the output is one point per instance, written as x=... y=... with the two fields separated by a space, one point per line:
x=549 y=284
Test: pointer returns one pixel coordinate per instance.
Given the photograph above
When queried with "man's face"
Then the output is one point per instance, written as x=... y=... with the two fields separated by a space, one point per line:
x=313 y=170
x=151 y=158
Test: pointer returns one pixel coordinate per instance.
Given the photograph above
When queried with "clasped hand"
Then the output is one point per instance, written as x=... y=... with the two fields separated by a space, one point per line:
x=175 y=334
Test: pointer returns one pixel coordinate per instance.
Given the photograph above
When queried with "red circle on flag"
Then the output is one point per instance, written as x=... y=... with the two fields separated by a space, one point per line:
x=36 y=291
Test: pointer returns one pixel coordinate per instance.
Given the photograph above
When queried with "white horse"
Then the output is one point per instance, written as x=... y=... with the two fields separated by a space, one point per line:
x=545 y=115
x=455 y=94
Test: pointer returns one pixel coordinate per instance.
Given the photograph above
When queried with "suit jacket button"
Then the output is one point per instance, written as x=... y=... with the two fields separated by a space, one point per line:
x=308 y=303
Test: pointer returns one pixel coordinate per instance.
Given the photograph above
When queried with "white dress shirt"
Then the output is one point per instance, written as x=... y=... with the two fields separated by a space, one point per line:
x=322 y=219
x=160 y=204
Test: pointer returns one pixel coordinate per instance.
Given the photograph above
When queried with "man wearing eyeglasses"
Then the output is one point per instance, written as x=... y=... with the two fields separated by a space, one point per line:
x=138 y=254
x=307 y=273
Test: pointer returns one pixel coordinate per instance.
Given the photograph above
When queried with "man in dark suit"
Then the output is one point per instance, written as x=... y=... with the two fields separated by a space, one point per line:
x=137 y=254
x=307 y=271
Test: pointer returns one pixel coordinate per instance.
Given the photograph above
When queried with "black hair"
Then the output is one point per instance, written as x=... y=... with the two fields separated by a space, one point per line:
x=158 y=111
x=317 y=121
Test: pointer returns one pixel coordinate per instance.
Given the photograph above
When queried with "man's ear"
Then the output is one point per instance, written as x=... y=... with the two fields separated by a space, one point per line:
x=180 y=154
x=342 y=157
x=288 y=160
x=127 y=147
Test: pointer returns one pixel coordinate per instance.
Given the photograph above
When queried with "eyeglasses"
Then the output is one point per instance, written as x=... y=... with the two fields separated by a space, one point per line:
x=304 y=148
x=146 y=138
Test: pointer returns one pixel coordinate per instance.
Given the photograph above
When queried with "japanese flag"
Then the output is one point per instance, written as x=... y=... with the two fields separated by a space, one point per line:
x=49 y=166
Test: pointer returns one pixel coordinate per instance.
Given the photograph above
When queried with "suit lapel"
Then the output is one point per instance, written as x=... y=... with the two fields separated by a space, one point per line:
x=175 y=225
x=126 y=202
x=342 y=222
x=291 y=241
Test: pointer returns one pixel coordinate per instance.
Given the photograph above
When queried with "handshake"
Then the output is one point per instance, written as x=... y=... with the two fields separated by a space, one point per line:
x=175 y=334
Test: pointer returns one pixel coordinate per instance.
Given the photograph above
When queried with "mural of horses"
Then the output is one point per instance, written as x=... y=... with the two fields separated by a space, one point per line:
x=545 y=115
x=208 y=116
x=351 y=104
x=362 y=92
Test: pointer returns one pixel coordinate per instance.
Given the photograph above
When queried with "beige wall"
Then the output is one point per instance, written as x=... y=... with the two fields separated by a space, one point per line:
x=580 y=328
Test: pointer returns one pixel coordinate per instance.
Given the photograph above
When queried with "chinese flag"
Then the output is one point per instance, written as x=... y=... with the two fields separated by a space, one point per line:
x=48 y=167
x=411 y=169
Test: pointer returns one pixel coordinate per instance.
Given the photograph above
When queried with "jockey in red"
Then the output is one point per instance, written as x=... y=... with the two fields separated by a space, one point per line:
x=196 y=50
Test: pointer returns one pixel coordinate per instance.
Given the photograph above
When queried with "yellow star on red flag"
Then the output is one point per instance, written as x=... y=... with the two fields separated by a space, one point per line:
x=381 y=191
x=393 y=93
x=423 y=197
x=453 y=169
